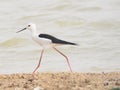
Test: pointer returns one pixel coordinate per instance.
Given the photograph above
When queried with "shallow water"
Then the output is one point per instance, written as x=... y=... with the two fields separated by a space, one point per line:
x=93 y=24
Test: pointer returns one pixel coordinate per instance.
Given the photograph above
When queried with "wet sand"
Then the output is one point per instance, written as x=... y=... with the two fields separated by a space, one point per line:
x=60 y=81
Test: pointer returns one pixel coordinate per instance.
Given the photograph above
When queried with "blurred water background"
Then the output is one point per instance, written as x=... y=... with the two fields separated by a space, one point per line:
x=93 y=24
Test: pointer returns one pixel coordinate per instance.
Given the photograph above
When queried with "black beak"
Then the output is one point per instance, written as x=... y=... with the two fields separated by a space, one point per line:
x=21 y=30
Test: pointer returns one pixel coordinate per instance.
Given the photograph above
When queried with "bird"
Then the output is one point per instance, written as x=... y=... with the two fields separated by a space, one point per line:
x=46 y=40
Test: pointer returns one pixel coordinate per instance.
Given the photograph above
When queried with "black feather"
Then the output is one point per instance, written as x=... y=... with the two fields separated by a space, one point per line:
x=55 y=40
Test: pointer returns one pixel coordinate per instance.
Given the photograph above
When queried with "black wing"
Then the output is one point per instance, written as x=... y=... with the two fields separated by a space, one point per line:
x=55 y=40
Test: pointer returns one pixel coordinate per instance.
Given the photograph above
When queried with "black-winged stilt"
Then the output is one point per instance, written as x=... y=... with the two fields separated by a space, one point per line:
x=46 y=40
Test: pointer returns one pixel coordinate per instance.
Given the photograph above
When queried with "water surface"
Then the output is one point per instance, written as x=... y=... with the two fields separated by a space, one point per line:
x=93 y=24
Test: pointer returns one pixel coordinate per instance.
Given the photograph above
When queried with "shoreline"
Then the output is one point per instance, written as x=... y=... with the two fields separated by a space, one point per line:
x=60 y=81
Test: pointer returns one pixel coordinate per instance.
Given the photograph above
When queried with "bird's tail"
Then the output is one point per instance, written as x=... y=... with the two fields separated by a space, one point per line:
x=70 y=43
x=66 y=42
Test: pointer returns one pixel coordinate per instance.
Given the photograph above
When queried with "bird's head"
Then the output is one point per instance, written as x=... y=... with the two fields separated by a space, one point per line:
x=30 y=26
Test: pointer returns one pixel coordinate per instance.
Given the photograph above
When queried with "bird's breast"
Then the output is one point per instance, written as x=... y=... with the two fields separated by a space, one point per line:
x=42 y=41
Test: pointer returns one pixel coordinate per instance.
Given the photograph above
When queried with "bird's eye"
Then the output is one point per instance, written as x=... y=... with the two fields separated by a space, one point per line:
x=28 y=25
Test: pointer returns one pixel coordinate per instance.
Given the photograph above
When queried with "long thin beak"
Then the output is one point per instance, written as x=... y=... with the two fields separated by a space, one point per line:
x=21 y=30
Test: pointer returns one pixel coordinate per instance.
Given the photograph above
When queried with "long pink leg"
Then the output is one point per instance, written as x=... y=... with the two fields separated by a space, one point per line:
x=65 y=57
x=39 y=61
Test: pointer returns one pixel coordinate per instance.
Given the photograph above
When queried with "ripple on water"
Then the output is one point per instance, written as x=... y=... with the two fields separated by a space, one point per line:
x=65 y=22
x=13 y=42
x=93 y=8
x=105 y=24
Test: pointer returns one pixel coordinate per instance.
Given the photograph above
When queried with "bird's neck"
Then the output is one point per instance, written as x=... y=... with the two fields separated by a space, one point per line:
x=34 y=32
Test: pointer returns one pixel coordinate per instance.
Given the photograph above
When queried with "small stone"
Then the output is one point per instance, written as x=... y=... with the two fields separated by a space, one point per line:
x=117 y=83
x=106 y=83
x=25 y=86
x=38 y=88
x=30 y=80
x=17 y=88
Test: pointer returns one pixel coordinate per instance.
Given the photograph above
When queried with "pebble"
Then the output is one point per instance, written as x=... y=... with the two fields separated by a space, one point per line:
x=38 y=88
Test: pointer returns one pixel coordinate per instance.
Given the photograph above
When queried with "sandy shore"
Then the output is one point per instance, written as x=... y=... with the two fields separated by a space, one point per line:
x=60 y=81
